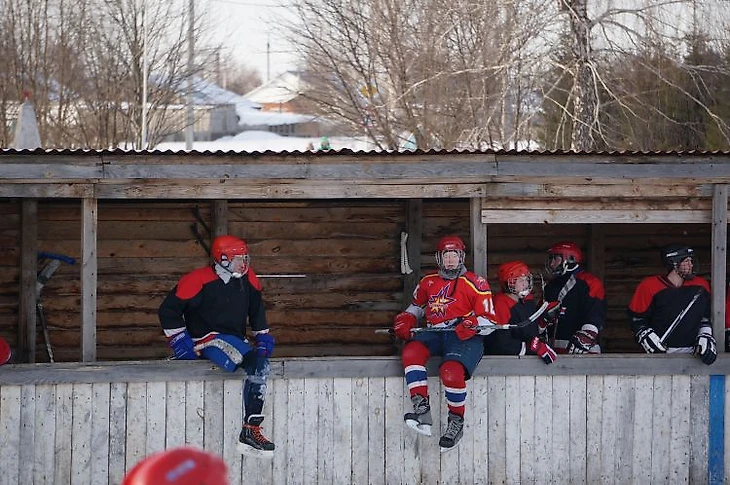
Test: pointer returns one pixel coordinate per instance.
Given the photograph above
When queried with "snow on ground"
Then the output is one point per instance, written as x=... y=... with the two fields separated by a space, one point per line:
x=261 y=141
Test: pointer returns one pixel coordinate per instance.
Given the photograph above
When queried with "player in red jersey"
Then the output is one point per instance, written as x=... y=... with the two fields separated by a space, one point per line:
x=515 y=305
x=454 y=297
x=581 y=313
x=671 y=312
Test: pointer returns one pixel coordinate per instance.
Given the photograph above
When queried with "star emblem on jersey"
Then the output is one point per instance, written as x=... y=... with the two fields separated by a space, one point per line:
x=439 y=302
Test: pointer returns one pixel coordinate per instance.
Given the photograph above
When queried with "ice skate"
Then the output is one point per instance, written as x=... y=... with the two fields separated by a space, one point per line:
x=420 y=419
x=454 y=432
x=252 y=442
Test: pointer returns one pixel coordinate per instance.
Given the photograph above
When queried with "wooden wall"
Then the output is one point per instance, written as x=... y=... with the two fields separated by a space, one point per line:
x=347 y=252
x=344 y=424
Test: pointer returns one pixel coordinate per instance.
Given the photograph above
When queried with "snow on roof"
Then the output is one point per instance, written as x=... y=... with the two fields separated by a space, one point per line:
x=261 y=141
x=281 y=89
x=254 y=117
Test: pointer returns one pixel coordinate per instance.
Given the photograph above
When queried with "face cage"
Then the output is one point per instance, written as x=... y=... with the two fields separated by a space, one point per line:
x=242 y=260
x=689 y=274
x=440 y=261
x=565 y=266
x=512 y=284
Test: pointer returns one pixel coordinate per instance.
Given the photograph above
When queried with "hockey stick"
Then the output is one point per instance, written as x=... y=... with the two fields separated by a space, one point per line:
x=679 y=317
x=494 y=326
x=42 y=278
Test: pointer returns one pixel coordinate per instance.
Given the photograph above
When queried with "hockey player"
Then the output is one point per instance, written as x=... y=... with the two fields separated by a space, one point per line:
x=581 y=313
x=205 y=316
x=5 y=352
x=451 y=297
x=515 y=305
x=179 y=466
x=671 y=312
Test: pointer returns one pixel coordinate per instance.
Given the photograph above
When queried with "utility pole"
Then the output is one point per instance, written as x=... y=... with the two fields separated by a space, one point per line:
x=145 y=75
x=190 y=125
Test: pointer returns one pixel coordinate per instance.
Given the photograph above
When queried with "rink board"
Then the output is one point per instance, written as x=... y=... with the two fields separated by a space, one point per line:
x=618 y=419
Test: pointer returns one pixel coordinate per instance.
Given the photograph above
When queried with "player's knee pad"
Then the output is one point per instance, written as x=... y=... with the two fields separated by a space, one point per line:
x=414 y=353
x=226 y=351
x=453 y=374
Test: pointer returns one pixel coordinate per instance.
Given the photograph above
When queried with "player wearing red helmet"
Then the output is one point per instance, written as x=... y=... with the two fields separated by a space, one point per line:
x=5 y=352
x=513 y=306
x=582 y=301
x=451 y=297
x=179 y=466
x=205 y=316
x=670 y=312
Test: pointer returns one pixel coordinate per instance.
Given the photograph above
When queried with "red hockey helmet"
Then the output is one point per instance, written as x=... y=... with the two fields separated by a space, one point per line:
x=450 y=244
x=179 y=466
x=570 y=257
x=5 y=352
x=232 y=254
x=509 y=273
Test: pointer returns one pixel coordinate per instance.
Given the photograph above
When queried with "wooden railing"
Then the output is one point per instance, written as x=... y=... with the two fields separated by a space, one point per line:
x=589 y=419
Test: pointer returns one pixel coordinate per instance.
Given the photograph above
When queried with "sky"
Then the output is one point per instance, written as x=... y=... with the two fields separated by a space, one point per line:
x=245 y=26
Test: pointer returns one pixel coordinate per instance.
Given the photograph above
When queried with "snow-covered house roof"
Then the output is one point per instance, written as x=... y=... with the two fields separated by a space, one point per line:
x=279 y=90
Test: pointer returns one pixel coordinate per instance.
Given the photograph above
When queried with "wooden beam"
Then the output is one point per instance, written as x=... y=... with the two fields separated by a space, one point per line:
x=414 y=229
x=52 y=190
x=534 y=216
x=27 y=316
x=478 y=238
x=597 y=250
x=719 y=260
x=220 y=217
x=89 y=235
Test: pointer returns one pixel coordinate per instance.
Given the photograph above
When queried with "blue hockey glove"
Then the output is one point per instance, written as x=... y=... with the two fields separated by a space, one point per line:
x=264 y=344
x=183 y=346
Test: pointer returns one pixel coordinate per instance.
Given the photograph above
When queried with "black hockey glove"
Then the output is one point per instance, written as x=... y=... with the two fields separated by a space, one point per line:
x=649 y=340
x=706 y=348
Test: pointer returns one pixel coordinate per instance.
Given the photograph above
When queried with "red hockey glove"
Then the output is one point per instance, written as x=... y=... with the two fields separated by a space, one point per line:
x=549 y=316
x=543 y=350
x=467 y=328
x=402 y=325
x=582 y=341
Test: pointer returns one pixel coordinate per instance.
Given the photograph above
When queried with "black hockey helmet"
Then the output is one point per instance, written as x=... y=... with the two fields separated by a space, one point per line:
x=673 y=254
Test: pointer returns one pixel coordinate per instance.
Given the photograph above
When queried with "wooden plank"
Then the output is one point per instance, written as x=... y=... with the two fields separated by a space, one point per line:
x=48 y=191
x=117 y=431
x=81 y=434
x=27 y=438
x=219 y=209
x=296 y=448
x=156 y=417
x=482 y=430
x=571 y=189
x=561 y=431
x=44 y=427
x=342 y=431
x=428 y=448
x=325 y=433
x=679 y=425
x=611 y=216
x=625 y=408
x=661 y=434
x=89 y=236
x=478 y=238
x=279 y=413
x=597 y=251
x=27 y=317
x=376 y=431
x=527 y=429
x=359 y=444
x=698 y=425
x=395 y=457
x=175 y=414
x=596 y=204
x=512 y=397
x=213 y=411
x=10 y=430
x=578 y=424
x=545 y=439
x=64 y=421
x=310 y=435
x=136 y=428
x=194 y=413
x=594 y=416
x=100 y=434
x=719 y=258
x=609 y=439
x=643 y=430
x=232 y=427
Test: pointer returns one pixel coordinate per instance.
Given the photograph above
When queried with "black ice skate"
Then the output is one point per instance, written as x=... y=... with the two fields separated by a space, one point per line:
x=454 y=432
x=252 y=442
x=420 y=418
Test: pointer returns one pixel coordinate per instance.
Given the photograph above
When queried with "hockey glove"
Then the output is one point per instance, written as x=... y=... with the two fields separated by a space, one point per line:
x=182 y=346
x=649 y=340
x=706 y=348
x=402 y=325
x=264 y=344
x=466 y=328
x=582 y=340
x=543 y=350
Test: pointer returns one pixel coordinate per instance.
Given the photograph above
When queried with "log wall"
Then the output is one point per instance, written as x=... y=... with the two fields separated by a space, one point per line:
x=340 y=262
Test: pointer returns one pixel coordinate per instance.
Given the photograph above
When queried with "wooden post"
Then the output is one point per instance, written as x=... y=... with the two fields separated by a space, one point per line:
x=27 y=316
x=89 y=234
x=719 y=260
x=220 y=217
x=414 y=229
x=597 y=250
x=478 y=238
